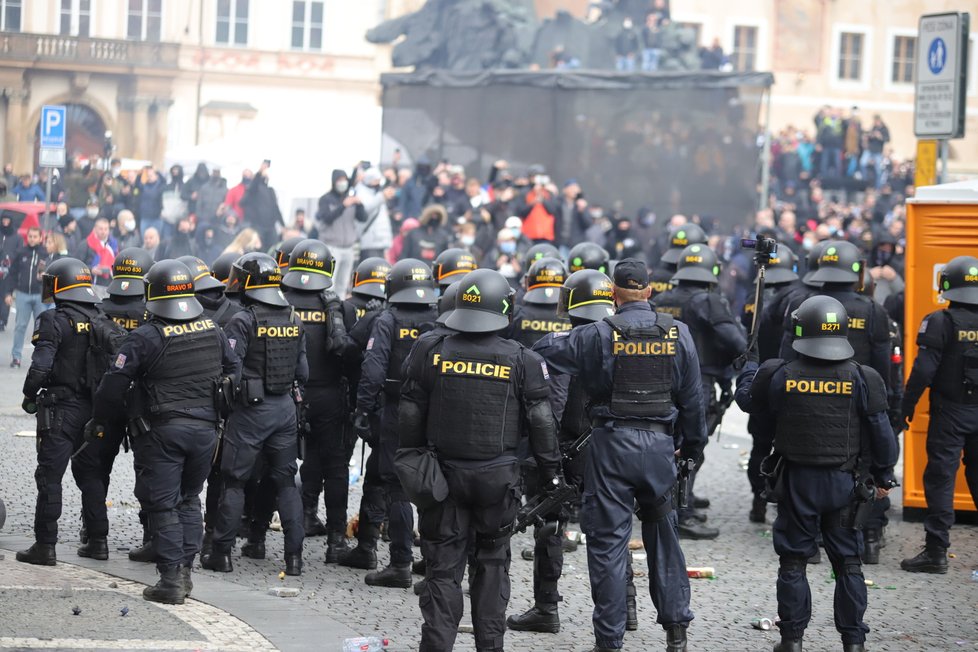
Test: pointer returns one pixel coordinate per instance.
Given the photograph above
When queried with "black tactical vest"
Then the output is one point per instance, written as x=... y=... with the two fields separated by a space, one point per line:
x=574 y=420
x=70 y=362
x=186 y=373
x=221 y=309
x=274 y=348
x=130 y=314
x=474 y=411
x=861 y=314
x=957 y=375
x=676 y=303
x=533 y=321
x=311 y=310
x=406 y=330
x=659 y=280
x=818 y=424
x=642 y=379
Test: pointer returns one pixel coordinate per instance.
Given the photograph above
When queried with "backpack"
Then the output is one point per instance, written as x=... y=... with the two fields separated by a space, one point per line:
x=105 y=338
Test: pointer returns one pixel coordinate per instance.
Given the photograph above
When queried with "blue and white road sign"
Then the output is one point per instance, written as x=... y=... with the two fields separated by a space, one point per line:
x=942 y=67
x=53 y=119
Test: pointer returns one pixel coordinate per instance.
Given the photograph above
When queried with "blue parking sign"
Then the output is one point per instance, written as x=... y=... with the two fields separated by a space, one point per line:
x=53 y=120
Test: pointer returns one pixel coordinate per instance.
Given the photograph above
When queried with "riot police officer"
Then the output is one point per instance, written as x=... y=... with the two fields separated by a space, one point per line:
x=777 y=310
x=178 y=361
x=410 y=311
x=780 y=276
x=125 y=302
x=221 y=268
x=475 y=443
x=680 y=237
x=269 y=345
x=641 y=373
x=537 y=314
x=947 y=363
x=283 y=251
x=368 y=289
x=58 y=389
x=538 y=251
x=585 y=297
x=587 y=255
x=828 y=411
x=451 y=265
x=719 y=339
x=333 y=359
x=209 y=291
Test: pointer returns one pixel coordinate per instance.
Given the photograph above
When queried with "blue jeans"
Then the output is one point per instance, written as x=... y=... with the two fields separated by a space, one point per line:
x=870 y=159
x=625 y=64
x=650 y=59
x=29 y=307
x=831 y=158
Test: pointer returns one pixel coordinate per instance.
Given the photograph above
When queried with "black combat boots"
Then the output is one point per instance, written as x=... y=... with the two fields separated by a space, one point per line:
x=758 y=510
x=40 y=554
x=186 y=580
x=95 y=548
x=788 y=645
x=311 y=523
x=871 y=546
x=395 y=576
x=675 y=638
x=169 y=589
x=541 y=617
x=144 y=553
x=631 y=608
x=336 y=546
x=219 y=560
x=932 y=559
x=254 y=548
x=293 y=563
x=364 y=555
x=853 y=647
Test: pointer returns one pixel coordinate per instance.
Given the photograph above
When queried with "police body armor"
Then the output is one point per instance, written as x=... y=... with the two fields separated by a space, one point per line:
x=533 y=321
x=574 y=421
x=128 y=314
x=407 y=329
x=191 y=360
x=818 y=424
x=642 y=380
x=676 y=303
x=311 y=311
x=221 y=312
x=70 y=365
x=485 y=385
x=274 y=348
x=860 y=336
x=957 y=376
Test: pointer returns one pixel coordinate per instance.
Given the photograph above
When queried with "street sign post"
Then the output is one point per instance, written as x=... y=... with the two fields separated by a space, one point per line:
x=53 y=136
x=941 y=79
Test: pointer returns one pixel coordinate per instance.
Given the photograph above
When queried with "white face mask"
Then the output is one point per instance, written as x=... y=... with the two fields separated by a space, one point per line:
x=467 y=240
x=129 y=225
x=91 y=211
x=342 y=186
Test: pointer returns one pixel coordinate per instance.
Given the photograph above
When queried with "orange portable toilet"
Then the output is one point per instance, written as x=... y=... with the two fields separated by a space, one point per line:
x=942 y=222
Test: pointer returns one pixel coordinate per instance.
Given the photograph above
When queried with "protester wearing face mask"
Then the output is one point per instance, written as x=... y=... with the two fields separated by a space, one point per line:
x=515 y=226
x=886 y=268
x=128 y=234
x=337 y=216
x=375 y=231
x=87 y=221
x=504 y=257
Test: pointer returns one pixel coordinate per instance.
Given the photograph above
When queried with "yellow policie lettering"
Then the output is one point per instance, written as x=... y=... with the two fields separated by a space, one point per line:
x=540 y=325
x=670 y=310
x=311 y=316
x=484 y=369
x=857 y=324
x=128 y=324
x=819 y=387
x=407 y=334
x=968 y=336
x=278 y=331
x=644 y=348
x=83 y=327
x=188 y=328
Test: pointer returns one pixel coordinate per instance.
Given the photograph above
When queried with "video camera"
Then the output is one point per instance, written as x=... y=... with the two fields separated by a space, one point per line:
x=765 y=248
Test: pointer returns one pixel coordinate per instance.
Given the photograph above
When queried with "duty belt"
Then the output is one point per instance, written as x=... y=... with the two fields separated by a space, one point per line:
x=637 y=424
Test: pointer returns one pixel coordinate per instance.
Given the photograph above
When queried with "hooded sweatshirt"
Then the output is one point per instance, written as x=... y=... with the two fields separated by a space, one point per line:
x=337 y=224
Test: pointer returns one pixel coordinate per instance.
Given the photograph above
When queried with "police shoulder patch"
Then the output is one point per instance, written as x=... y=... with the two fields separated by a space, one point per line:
x=561 y=334
x=370 y=343
x=231 y=342
x=546 y=372
x=923 y=325
x=120 y=361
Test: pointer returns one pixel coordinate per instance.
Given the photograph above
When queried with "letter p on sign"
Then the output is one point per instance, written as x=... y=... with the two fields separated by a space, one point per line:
x=53 y=126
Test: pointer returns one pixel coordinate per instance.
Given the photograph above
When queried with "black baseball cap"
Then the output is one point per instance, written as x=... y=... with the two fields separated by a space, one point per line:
x=631 y=274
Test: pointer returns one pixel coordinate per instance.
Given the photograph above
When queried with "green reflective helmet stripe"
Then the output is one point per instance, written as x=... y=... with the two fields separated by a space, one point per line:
x=577 y=262
x=855 y=267
x=797 y=331
x=830 y=251
x=473 y=290
x=831 y=318
x=947 y=285
x=505 y=306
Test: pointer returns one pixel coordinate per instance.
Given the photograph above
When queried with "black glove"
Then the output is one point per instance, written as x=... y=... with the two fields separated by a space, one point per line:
x=753 y=355
x=361 y=426
x=373 y=305
x=551 y=483
x=332 y=300
x=94 y=431
x=29 y=405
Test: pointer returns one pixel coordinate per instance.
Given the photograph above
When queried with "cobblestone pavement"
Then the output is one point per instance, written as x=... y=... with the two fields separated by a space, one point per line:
x=906 y=612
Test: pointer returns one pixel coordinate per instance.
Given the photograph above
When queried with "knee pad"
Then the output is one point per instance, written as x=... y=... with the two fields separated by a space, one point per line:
x=190 y=503
x=851 y=566
x=793 y=564
x=489 y=541
x=159 y=520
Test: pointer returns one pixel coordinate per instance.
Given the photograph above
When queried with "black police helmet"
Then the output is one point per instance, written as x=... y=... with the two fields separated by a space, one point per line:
x=170 y=291
x=311 y=266
x=811 y=263
x=202 y=274
x=370 y=278
x=446 y=302
x=484 y=303
x=259 y=277
x=587 y=255
x=839 y=262
x=541 y=250
x=284 y=250
x=543 y=281
x=128 y=270
x=681 y=237
x=586 y=295
x=410 y=282
x=959 y=280
x=451 y=265
x=67 y=279
x=782 y=267
x=221 y=269
x=697 y=263
x=819 y=326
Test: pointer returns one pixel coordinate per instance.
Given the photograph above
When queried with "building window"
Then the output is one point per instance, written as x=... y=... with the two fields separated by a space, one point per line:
x=307 y=25
x=851 y=56
x=76 y=17
x=232 y=22
x=903 y=53
x=145 y=20
x=697 y=29
x=744 y=55
x=10 y=15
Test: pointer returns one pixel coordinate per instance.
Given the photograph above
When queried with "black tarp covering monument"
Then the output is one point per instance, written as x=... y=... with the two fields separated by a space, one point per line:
x=665 y=142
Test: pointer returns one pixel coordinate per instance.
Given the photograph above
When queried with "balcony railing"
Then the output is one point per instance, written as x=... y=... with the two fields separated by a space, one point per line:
x=46 y=48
